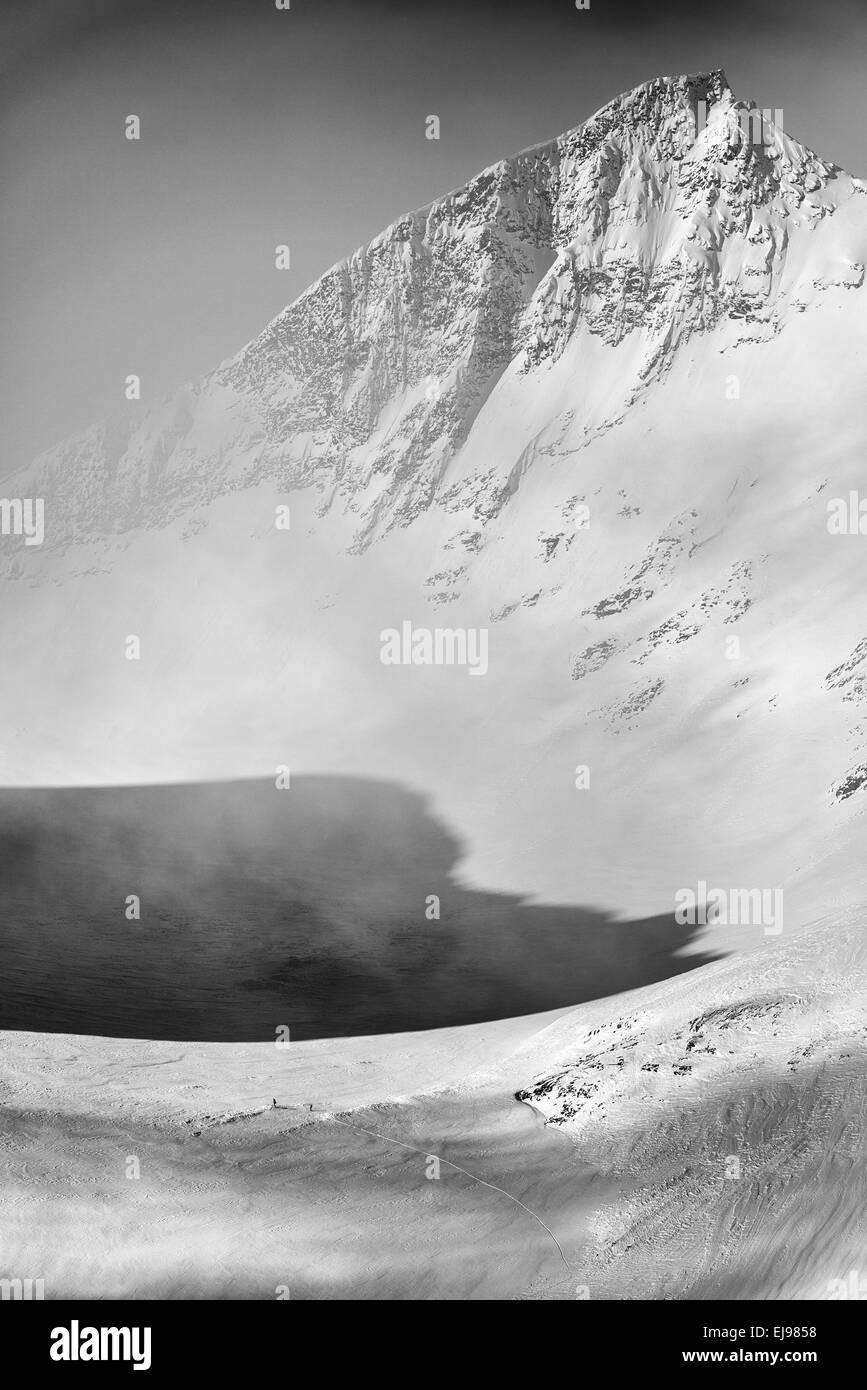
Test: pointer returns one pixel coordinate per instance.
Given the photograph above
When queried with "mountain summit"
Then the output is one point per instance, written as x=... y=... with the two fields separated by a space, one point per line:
x=597 y=401
x=658 y=218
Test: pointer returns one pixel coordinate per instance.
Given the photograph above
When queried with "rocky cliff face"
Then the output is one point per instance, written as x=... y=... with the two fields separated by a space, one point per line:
x=657 y=219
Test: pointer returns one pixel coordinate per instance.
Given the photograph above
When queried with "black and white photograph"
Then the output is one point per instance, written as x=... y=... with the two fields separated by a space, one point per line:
x=433 y=663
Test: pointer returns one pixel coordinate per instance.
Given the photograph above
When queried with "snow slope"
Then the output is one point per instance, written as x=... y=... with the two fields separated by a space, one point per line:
x=661 y=323
x=730 y=1107
x=704 y=1139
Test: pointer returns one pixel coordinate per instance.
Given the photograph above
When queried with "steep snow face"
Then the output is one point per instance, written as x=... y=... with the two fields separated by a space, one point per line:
x=659 y=217
x=596 y=402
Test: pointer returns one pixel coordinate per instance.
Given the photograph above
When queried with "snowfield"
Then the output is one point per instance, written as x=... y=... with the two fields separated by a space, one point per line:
x=600 y=405
x=703 y=1139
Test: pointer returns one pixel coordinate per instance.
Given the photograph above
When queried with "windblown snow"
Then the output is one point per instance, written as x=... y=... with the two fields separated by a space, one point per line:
x=603 y=403
x=598 y=402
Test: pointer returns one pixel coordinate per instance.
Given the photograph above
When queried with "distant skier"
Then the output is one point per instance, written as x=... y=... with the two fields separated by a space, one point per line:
x=273 y=1105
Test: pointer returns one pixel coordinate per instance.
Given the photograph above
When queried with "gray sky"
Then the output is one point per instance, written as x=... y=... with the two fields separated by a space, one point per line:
x=306 y=127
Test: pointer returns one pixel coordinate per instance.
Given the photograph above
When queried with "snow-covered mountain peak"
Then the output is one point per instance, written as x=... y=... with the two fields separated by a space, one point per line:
x=659 y=217
x=584 y=401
